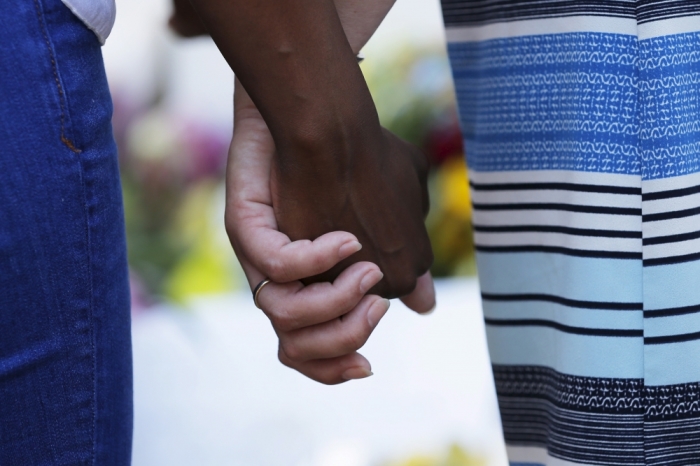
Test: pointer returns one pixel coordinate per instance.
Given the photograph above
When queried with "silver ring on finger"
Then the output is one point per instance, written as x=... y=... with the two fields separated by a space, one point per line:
x=258 y=289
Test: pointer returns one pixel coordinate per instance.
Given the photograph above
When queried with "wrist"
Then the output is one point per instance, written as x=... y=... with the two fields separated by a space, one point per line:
x=325 y=124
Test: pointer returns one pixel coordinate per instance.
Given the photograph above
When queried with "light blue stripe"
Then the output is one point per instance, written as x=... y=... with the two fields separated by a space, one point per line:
x=581 y=278
x=519 y=463
x=674 y=285
x=586 y=356
x=591 y=318
x=674 y=325
x=672 y=363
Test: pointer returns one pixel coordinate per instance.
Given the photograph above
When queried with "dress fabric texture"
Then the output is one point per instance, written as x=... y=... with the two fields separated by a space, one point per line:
x=65 y=336
x=581 y=122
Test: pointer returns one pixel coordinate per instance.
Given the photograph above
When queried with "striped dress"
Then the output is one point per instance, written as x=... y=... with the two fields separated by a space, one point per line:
x=581 y=122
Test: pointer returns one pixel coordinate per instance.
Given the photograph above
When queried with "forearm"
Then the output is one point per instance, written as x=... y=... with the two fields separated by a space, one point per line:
x=296 y=63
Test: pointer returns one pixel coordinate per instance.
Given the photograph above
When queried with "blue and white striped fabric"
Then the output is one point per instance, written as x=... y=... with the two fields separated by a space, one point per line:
x=581 y=122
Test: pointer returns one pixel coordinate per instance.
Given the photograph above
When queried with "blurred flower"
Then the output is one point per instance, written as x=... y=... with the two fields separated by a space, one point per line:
x=454 y=191
x=444 y=139
x=171 y=170
x=206 y=266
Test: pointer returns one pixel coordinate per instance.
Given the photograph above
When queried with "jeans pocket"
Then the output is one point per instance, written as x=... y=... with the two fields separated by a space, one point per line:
x=66 y=134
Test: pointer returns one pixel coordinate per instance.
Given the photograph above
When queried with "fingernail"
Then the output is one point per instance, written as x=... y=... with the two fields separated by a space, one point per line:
x=429 y=311
x=370 y=279
x=377 y=311
x=356 y=373
x=349 y=248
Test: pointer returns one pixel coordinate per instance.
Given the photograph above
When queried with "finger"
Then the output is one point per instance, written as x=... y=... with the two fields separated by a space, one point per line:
x=281 y=260
x=332 y=371
x=250 y=219
x=291 y=306
x=304 y=258
x=338 y=337
x=422 y=299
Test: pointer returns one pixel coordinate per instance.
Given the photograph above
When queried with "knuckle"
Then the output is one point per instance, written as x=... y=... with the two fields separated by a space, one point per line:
x=274 y=269
x=353 y=341
x=283 y=357
x=291 y=351
x=281 y=319
x=318 y=262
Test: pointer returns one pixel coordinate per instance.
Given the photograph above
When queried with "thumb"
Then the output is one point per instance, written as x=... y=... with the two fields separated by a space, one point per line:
x=422 y=299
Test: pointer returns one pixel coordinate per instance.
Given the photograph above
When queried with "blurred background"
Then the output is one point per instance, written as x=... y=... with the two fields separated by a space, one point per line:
x=208 y=387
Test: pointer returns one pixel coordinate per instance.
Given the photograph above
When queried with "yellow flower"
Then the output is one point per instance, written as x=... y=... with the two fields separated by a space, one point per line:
x=208 y=266
x=454 y=190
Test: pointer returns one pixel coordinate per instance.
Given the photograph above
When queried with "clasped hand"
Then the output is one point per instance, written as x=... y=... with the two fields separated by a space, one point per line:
x=366 y=221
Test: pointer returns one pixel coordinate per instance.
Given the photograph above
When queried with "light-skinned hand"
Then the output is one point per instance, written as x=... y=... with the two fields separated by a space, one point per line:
x=320 y=326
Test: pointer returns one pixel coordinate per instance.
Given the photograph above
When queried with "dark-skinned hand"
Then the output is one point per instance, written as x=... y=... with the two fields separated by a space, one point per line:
x=376 y=190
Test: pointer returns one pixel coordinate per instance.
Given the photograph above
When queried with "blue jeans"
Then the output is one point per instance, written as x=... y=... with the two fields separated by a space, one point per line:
x=65 y=348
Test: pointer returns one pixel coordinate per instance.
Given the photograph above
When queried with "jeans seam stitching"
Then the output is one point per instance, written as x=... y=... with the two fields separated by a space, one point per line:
x=88 y=210
x=54 y=68
x=68 y=143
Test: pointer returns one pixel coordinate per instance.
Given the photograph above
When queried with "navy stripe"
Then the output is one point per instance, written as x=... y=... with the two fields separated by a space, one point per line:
x=671 y=260
x=599 y=332
x=598 y=305
x=671 y=238
x=478 y=12
x=558 y=229
x=672 y=338
x=650 y=10
x=585 y=188
x=565 y=251
x=588 y=209
x=474 y=12
x=672 y=311
x=671 y=193
x=670 y=215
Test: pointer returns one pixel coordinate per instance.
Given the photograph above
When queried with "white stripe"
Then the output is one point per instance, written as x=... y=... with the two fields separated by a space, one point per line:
x=671 y=204
x=558 y=240
x=558 y=25
x=667 y=184
x=674 y=226
x=681 y=248
x=535 y=455
x=557 y=176
x=558 y=218
x=558 y=196
x=667 y=27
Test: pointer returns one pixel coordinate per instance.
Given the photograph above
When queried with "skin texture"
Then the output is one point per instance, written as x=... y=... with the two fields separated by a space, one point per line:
x=335 y=168
x=320 y=326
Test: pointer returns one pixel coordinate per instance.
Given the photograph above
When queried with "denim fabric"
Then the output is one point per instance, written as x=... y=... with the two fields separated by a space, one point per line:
x=65 y=349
